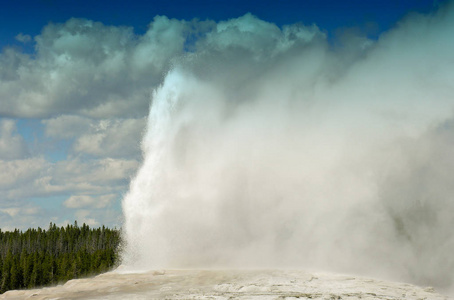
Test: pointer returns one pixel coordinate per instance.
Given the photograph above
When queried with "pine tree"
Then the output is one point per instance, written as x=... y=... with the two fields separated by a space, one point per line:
x=39 y=257
x=6 y=271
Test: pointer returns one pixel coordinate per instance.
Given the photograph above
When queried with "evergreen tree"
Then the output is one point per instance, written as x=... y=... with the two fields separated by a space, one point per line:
x=38 y=257
x=6 y=272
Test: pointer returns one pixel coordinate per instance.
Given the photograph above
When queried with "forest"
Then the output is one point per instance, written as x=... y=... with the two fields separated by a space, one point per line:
x=39 y=257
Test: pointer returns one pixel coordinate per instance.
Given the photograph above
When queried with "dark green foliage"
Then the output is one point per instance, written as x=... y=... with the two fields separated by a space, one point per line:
x=38 y=257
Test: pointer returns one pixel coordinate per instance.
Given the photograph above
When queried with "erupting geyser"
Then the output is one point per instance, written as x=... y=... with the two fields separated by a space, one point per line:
x=270 y=148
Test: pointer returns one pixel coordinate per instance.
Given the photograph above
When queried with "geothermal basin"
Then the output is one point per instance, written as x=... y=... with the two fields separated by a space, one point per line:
x=227 y=284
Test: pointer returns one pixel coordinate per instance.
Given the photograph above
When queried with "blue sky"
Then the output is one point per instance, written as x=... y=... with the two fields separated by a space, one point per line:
x=73 y=112
x=28 y=17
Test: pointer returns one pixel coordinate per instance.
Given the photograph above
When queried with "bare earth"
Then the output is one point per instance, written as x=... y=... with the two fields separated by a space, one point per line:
x=227 y=284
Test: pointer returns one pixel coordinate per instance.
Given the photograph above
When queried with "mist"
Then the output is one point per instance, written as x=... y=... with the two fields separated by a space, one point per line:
x=272 y=147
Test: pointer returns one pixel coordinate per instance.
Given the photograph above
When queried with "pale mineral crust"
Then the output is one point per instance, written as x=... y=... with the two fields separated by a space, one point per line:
x=227 y=284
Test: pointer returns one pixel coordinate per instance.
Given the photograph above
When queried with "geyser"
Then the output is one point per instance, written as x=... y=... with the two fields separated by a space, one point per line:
x=271 y=148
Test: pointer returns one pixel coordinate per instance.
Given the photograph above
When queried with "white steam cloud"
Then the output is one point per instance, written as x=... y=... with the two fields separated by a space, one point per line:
x=268 y=147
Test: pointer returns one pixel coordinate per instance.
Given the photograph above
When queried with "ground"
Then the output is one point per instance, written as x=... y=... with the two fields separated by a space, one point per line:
x=227 y=284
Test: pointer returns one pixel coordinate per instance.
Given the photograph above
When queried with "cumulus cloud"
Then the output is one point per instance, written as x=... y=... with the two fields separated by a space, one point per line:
x=67 y=126
x=93 y=217
x=10 y=61
x=100 y=138
x=12 y=145
x=85 y=217
x=94 y=185
x=15 y=211
x=23 y=38
x=86 y=67
x=257 y=36
x=102 y=71
x=106 y=170
x=20 y=172
x=36 y=177
x=89 y=201
x=97 y=175
x=112 y=138
x=20 y=214
x=91 y=83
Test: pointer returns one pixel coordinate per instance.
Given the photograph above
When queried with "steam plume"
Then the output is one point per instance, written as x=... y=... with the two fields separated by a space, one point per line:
x=269 y=147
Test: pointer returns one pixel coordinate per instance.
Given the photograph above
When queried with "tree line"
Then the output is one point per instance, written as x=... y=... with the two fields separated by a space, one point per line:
x=40 y=257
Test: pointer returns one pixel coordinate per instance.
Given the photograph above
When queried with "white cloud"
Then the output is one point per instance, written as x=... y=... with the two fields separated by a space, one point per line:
x=21 y=172
x=118 y=138
x=112 y=138
x=15 y=211
x=10 y=61
x=12 y=211
x=24 y=38
x=99 y=171
x=67 y=126
x=163 y=41
x=22 y=215
x=36 y=177
x=94 y=185
x=89 y=201
x=12 y=145
x=86 y=67
x=259 y=37
x=97 y=217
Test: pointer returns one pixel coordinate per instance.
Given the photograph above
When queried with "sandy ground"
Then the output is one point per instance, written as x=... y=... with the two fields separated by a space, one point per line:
x=227 y=284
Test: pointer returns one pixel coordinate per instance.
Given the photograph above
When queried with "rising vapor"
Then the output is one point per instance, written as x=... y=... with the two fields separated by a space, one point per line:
x=269 y=147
